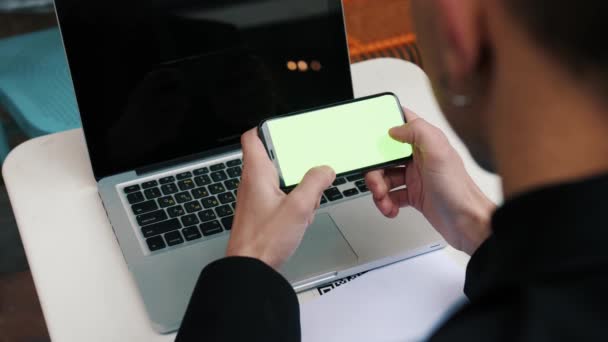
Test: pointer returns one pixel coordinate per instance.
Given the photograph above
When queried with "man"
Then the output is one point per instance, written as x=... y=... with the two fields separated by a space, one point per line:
x=521 y=81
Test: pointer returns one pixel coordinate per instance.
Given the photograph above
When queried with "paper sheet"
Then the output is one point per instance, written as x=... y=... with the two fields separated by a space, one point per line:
x=401 y=302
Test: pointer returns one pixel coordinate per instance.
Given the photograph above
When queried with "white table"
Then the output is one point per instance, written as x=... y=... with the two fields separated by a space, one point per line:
x=84 y=286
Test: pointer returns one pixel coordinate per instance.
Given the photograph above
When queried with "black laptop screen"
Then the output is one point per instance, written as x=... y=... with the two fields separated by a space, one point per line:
x=159 y=80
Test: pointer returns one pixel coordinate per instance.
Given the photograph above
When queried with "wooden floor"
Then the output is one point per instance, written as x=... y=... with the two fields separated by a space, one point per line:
x=20 y=314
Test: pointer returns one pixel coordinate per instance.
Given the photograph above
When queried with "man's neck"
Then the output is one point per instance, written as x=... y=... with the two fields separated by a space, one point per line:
x=546 y=127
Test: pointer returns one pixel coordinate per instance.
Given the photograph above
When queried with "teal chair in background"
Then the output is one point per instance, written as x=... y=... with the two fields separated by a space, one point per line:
x=35 y=85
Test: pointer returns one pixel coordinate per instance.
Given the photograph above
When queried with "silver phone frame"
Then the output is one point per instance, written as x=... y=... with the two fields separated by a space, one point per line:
x=270 y=150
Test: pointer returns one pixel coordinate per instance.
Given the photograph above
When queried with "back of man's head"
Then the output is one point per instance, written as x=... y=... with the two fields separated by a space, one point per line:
x=573 y=30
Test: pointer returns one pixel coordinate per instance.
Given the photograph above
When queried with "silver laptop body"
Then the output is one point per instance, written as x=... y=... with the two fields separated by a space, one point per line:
x=348 y=236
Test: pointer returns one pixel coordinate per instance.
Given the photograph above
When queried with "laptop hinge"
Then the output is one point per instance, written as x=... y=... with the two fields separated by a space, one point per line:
x=184 y=160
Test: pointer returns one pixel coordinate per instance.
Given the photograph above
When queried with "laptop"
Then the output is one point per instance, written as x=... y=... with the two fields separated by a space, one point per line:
x=165 y=89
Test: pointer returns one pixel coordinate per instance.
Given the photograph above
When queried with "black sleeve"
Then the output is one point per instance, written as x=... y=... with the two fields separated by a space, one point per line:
x=241 y=299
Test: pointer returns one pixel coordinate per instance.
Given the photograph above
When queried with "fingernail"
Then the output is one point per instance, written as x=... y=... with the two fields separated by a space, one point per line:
x=329 y=170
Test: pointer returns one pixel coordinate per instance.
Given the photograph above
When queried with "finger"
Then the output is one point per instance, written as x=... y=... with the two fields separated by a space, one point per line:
x=404 y=133
x=400 y=198
x=394 y=177
x=253 y=149
x=376 y=184
x=386 y=206
x=389 y=205
x=305 y=197
x=380 y=182
x=410 y=115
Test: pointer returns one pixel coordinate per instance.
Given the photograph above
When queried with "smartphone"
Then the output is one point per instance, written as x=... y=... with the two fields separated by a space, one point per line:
x=350 y=137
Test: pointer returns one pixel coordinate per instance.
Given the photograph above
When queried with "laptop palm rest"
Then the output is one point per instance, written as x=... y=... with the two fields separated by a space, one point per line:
x=323 y=252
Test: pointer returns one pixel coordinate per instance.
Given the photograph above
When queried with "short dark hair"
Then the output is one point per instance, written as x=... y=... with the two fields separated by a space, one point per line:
x=574 y=30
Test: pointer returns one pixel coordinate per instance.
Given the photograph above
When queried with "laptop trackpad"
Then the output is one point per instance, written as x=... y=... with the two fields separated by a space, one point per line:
x=323 y=250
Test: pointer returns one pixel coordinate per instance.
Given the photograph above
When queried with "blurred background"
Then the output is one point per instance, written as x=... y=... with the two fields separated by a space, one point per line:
x=376 y=28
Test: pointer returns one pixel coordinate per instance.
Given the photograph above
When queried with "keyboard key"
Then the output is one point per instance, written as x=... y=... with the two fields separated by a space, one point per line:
x=333 y=194
x=144 y=207
x=167 y=180
x=361 y=186
x=210 y=228
x=217 y=167
x=191 y=233
x=161 y=228
x=206 y=215
x=186 y=184
x=192 y=207
x=216 y=188
x=226 y=197
x=234 y=205
x=176 y=211
x=233 y=163
x=201 y=171
x=323 y=200
x=232 y=184
x=210 y=202
x=234 y=172
x=174 y=238
x=227 y=222
x=156 y=243
x=152 y=217
x=169 y=189
x=356 y=177
x=189 y=220
x=202 y=180
x=200 y=193
x=224 y=210
x=132 y=188
x=183 y=197
x=351 y=192
x=152 y=193
x=339 y=181
x=219 y=176
x=135 y=197
x=150 y=184
x=166 y=201
x=184 y=175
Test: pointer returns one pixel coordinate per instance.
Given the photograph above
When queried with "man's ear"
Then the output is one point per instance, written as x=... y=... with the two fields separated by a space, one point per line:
x=460 y=29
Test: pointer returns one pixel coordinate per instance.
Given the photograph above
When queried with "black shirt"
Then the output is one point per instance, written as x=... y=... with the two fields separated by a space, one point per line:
x=541 y=276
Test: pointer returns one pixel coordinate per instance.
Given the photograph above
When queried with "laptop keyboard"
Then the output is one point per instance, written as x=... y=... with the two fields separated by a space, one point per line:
x=200 y=204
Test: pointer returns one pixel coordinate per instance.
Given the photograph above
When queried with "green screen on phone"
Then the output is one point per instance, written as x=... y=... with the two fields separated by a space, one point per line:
x=347 y=137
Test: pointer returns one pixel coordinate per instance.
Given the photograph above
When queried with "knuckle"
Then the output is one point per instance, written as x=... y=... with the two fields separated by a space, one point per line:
x=319 y=175
x=373 y=176
x=418 y=124
x=244 y=138
x=298 y=205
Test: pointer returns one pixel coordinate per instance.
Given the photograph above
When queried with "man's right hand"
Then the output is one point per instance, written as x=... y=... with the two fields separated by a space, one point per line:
x=437 y=185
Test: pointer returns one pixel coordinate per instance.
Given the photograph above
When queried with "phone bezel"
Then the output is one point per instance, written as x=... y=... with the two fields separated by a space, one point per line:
x=266 y=139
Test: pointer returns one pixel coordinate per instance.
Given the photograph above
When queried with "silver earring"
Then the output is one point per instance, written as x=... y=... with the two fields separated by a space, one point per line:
x=456 y=100
x=460 y=100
